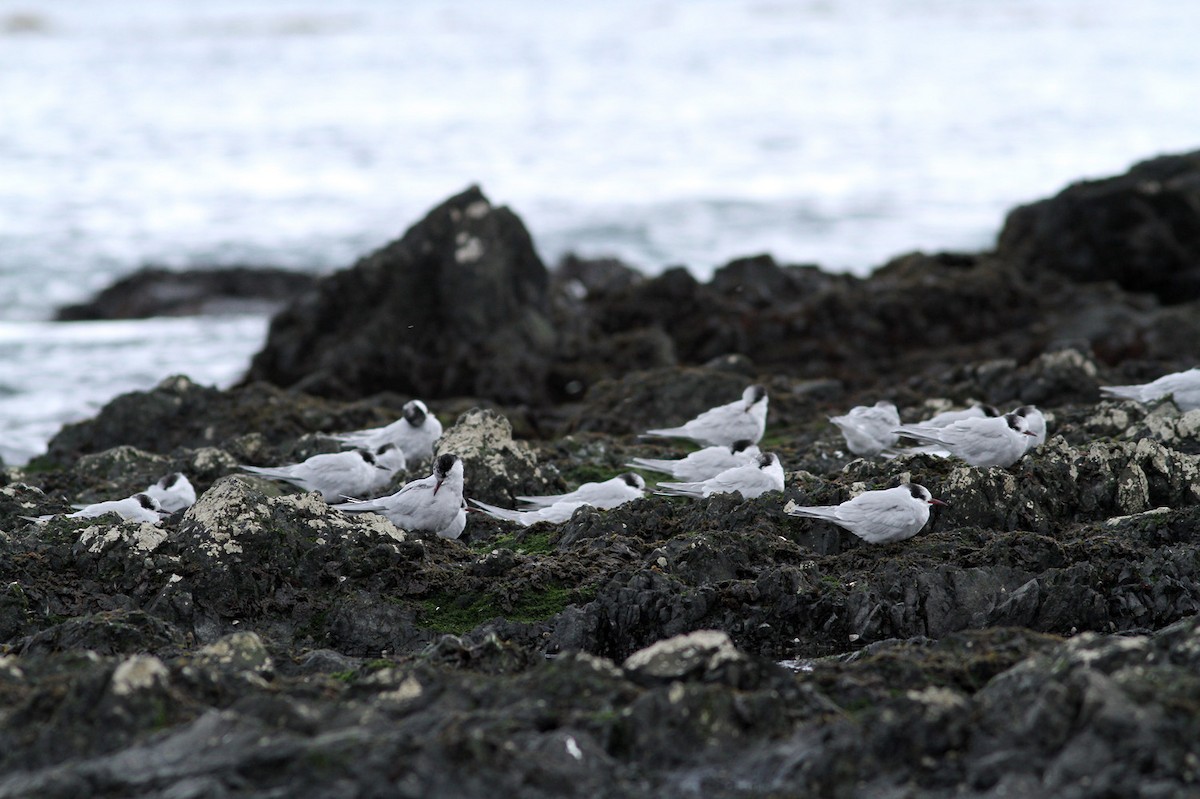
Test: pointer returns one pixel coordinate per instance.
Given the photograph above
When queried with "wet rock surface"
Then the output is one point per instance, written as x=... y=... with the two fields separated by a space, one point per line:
x=1038 y=638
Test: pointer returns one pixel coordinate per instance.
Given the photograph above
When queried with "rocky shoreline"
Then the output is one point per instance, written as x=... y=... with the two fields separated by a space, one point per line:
x=1038 y=638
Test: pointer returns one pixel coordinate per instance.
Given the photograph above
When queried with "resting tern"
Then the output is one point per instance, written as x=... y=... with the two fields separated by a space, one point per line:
x=608 y=494
x=1037 y=425
x=336 y=475
x=1183 y=388
x=173 y=492
x=869 y=430
x=557 y=513
x=431 y=503
x=137 y=508
x=725 y=424
x=703 y=463
x=950 y=417
x=878 y=517
x=414 y=433
x=998 y=441
x=750 y=480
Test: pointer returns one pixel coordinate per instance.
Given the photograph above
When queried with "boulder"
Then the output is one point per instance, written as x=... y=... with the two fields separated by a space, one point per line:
x=457 y=306
x=1140 y=230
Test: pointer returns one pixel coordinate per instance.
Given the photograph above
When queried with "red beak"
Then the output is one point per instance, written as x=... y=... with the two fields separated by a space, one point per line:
x=1030 y=433
x=438 y=486
x=939 y=502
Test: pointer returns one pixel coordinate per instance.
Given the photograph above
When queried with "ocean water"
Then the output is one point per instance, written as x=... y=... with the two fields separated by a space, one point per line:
x=303 y=134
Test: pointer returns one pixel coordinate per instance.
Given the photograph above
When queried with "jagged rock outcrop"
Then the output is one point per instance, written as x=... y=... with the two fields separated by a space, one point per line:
x=458 y=306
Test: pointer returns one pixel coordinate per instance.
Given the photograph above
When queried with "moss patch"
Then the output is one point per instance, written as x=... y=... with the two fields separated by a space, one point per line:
x=533 y=541
x=458 y=615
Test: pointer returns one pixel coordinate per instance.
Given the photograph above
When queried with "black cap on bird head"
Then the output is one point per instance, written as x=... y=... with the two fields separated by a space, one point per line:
x=765 y=459
x=1017 y=422
x=170 y=480
x=442 y=467
x=366 y=456
x=921 y=493
x=415 y=412
x=146 y=501
x=754 y=394
x=741 y=445
x=633 y=480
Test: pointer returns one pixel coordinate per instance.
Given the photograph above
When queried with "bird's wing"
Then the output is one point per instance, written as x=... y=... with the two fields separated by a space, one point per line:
x=882 y=515
x=547 y=500
x=285 y=473
x=826 y=512
x=499 y=513
x=680 y=489
x=934 y=435
x=670 y=432
x=410 y=499
x=735 y=480
x=652 y=464
x=361 y=506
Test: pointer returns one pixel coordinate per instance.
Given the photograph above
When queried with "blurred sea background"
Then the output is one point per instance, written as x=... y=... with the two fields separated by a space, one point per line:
x=663 y=132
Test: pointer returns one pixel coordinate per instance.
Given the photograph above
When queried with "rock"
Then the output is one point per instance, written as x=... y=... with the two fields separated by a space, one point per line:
x=236 y=652
x=590 y=276
x=180 y=413
x=155 y=291
x=458 y=306
x=496 y=468
x=1138 y=229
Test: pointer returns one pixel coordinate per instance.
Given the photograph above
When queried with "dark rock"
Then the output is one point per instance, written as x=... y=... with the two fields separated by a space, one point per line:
x=180 y=413
x=591 y=276
x=1140 y=229
x=496 y=468
x=154 y=291
x=458 y=306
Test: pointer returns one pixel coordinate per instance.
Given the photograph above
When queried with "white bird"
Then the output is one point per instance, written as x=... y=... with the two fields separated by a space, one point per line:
x=414 y=433
x=725 y=424
x=869 y=430
x=878 y=517
x=950 y=417
x=608 y=494
x=173 y=492
x=336 y=475
x=703 y=463
x=1182 y=387
x=1036 y=421
x=137 y=508
x=943 y=419
x=998 y=441
x=557 y=513
x=431 y=503
x=750 y=480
